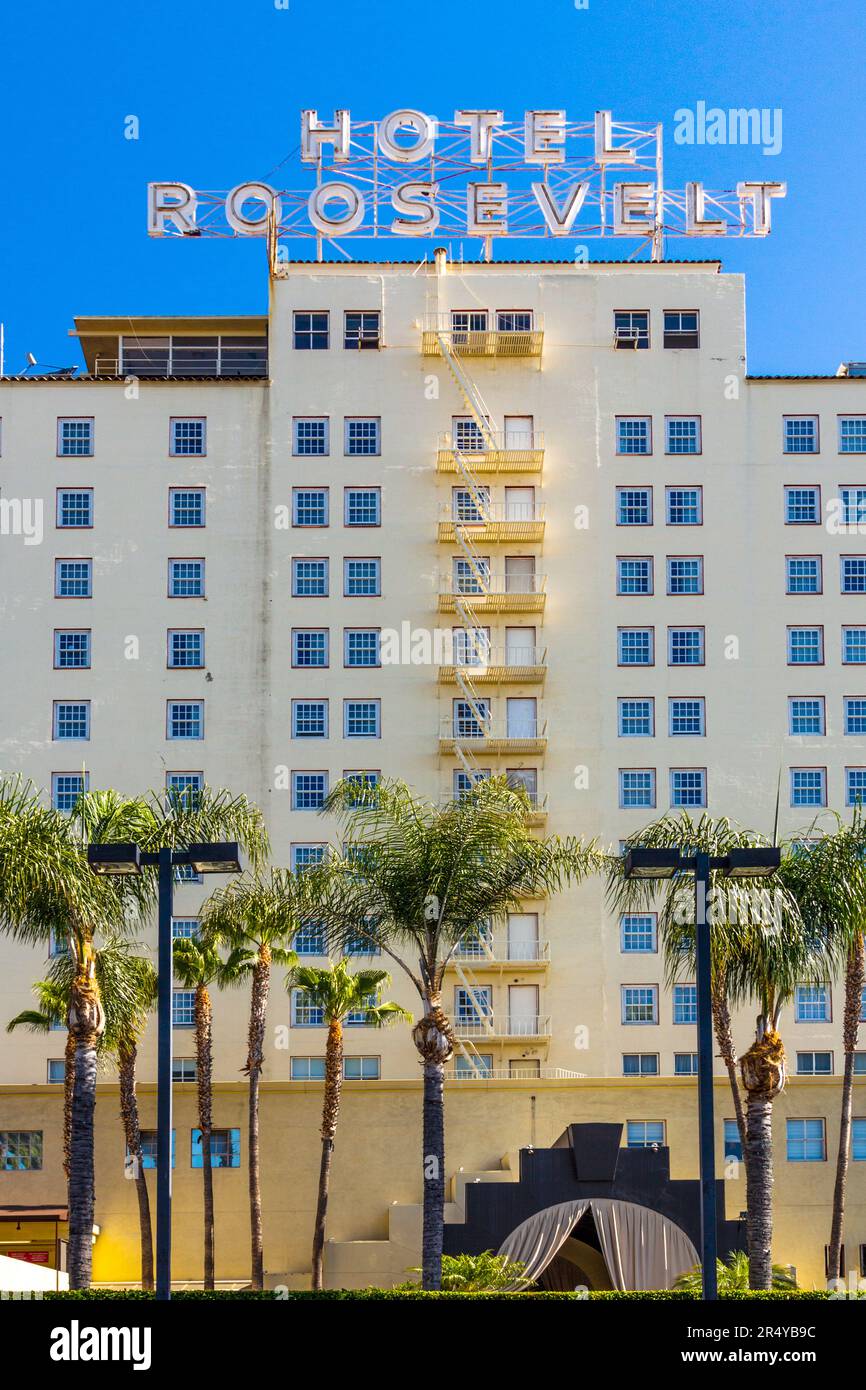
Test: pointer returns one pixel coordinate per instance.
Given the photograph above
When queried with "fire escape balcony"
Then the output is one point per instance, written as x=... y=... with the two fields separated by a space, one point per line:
x=498 y=593
x=503 y=452
x=496 y=666
x=479 y=334
x=482 y=738
x=493 y=525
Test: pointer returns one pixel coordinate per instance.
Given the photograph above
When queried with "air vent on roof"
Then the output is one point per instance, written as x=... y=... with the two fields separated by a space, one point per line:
x=852 y=369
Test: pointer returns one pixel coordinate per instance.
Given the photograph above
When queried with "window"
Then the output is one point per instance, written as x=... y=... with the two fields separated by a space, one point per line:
x=309 y=506
x=73 y=578
x=309 y=719
x=75 y=437
x=514 y=321
x=644 y=1134
x=72 y=649
x=853 y=646
x=481 y=1063
x=308 y=1068
x=634 y=506
x=853 y=574
x=362 y=578
x=186 y=578
x=636 y=718
x=304 y=856
x=74 y=507
x=682 y=434
x=56 y=1070
x=634 y=434
x=20 y=1150
x=361 y=718
x=186 y=506
x=66 y=787
x=186 y=648
x=640 y=1064
x=305 y=1013
x=363 y=436
x=814 y=1064
x=858 y=1144
x=71 y=719
x=805 y=646
x=800 y=434
x=686 y=717
x=361 y=778
x=806 y=716
x=310 y=646
x=309 y=790
x=149 y=1145
x=473 y=1005
x=183 y=1008
x=852 y=434
x=187 y=437
x=855 y=786
x=688 y=786
x=853 y=501
x=468 y=578
x=732 y=1141
x=311 y=331
x=182 y=789
x=681 y=328
x=360 y=330
x=637 y=933
x=310 y=436
x=185 y=719
x=634 y=575
x=854 y=709
x=225 y=1148
x=685 y=1004
x=631 y=328
x=685 y=646
x=184 y=1069
x=803 y=574
x=361 y=646
x=468 y=321
x=184 y=928
x=684 y=506
x=808 y=786
x=362 y=506
x=802 y=506
x=309 y=578
x=637 y=787
x=636 y=646
x=812 y=1004
x=860 y=1063
x=685 y=574
x=806 y=1141
x=685 y=1064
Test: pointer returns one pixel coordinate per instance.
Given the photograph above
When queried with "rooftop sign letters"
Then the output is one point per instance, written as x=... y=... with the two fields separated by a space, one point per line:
x=410 y=175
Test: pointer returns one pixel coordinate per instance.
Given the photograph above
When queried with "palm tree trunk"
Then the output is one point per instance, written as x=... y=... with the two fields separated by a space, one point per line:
x=763 y=1072
x=126 y=1060
x=255 y=1062
x=727 y=1052
x=204 y=1054
x=68 y=1089
x=330 y=1115
x=434 y=1039
x=86 y=1024
x=854 y=976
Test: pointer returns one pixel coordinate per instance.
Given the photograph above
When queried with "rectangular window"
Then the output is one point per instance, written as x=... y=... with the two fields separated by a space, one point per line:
x=806 y=716
x=309 y=578
x=685 y=1064
x=685 y=574
x=685 y=646
x=806 y=1141
x=74 y=507
x=854 y=709
x=634 y=434
x=802 y=506
x=852 y=434
x=72 y=719
x=480 y=1065
x=75 y=437
x=186 y=648
x=310 y=939
x=149 y=1148
x=20 y=1150
x=363 y=436
x=637 y=787
x=73 y=578
x=732 y=1141
x=514 y=321
x=309 y=506
x=853 y=574
x=855 y=786
x=682 y=434
x=310 y=647
x=634 y=575
x=309 y=719
x=686 y=717
x=184 y=1069
x=808 y=786
x=805 y=646
x=362 y=718
x=635 y=646
x=631 y=328
x=640 y=1064
x=684 y=506
x=183 y=1008
x=645 y=1134
x=812 y=1004
x=361 y=646
x=471 y=1006
x=308 y=1068
x=188 y=437
x=186 y=506
x=185 y=719
x=182 y=790
x=362 y=506
x=302 y=857
x=800 y=434
x=853 y=646
x=186 y=578
x=309 y=790
x=814 y=1064
x=688 y=786
x=853 y=501
x=306 y=1013
x=634 y=506
x=681 y=328
x=310 y=436
x=184 y=928
x=637 y=933
x=66 y=787
x=362 y=578
x=225 y=1148
x=636 y=718
x=685 y=1004
x=311 y=331
x=803 y=574
x=361 y=330
x=858 y=1146
x=72 y=649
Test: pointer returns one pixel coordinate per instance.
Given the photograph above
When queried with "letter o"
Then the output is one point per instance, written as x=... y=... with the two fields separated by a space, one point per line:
x=243 y=193
x=336 y=226
x=425 y=131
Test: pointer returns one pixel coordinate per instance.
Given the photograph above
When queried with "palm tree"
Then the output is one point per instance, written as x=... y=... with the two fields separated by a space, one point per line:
x=733 y=1277
x=418 y=879
x=127 y=985
x=255 y=917
x=338 y=993
x=197 y=966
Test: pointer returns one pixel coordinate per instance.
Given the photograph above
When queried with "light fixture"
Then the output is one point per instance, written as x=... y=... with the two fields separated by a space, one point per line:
x=757 y=862
x=643 y=862
x=114 y=859
x=215 y=859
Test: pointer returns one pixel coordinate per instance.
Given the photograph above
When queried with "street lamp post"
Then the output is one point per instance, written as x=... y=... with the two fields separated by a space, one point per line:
x=748 y=862
x=114 y=859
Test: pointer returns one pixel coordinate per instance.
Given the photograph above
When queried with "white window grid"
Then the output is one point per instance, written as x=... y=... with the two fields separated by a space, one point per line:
x=71 y=719
x=186 y=578
x=66 y=787
x=362 y=578
x=855 y=786
x=73 y=578
x=636 y=718
x=685 y=1064
x=808 y=786
x=637 y=787
x=634 y=434
x=688 y=786
x=310 y=436
x=802 y=506
x=309 y=719
x=310 y=647
x=638 y=933
x=75 y=437
x=305 y=856
x=800 y=434
x=685 y=646
x=635 y=646
x=308 y=1068
x=854 y=710
x=75 y=507
x=309 y=790
x=852 y=434
x=853 y=574
x=634 y=506
x=686 y=717
x=311 y=329
x=805 y=646
x=187 y=506
x=803 y=574
x=310 y=939
x=183 y=1008
x=685 y=574
x=640 y=1064
x=361 y=718
x=185 y=719
x=683 y=434
x=634 y=575
x=362 y=436
x=363 y=506
x=806 y=1141
x=309 y=578
x=640 y=1004
x=185 y=648
x=805 y=716
x=645 y=1134
x=684 y=506
x=309 y=506
x=685 y=1004
x=361 y=646
x=853 y=501
x=188 y=437
x=72 y=649
x=853 y=646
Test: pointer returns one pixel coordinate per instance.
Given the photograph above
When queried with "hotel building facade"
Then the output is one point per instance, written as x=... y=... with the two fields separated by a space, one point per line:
x=437 y=521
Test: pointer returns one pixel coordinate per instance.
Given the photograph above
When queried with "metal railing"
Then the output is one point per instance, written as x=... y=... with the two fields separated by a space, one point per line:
x=502 y=950
x=495 y=582
x=476 y=658
x=473 y=1025
x=517 y=1074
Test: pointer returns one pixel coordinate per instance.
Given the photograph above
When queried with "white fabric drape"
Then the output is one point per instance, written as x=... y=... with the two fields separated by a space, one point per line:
x=642 y=1249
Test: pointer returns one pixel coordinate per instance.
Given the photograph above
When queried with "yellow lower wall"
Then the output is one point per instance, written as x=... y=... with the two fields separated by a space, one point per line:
x=377 y=1163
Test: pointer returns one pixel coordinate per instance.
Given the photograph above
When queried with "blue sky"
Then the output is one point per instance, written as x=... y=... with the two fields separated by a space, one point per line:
x=218 y=87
